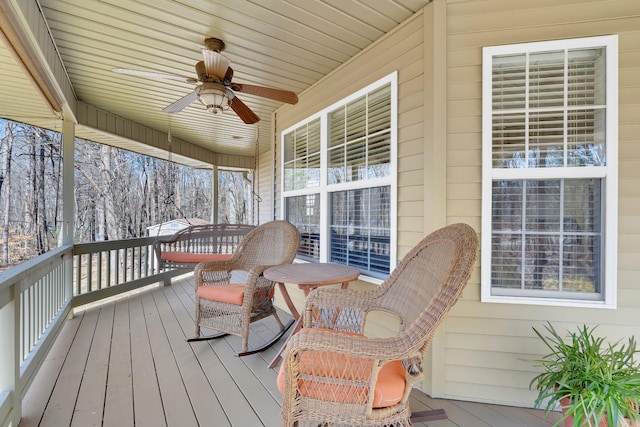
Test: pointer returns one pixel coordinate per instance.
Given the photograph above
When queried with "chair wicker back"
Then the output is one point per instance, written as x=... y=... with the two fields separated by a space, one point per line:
x=420 y=291
x=272 y=243
x=267 y=245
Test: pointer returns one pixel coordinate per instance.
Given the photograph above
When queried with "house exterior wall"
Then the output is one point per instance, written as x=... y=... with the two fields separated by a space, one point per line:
x=489 y=347
x=265 y=187
x=483 y=351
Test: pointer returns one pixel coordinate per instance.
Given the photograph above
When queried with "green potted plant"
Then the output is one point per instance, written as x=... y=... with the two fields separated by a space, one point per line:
x=595 y=383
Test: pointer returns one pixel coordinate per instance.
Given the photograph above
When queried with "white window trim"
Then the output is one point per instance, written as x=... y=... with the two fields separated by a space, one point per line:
x=610 y=173
x=324 y=189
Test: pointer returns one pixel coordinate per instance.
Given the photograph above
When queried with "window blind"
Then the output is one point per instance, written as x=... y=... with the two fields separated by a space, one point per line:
x=304 y=213
x=360 y=229
x=549 y=109
x=359 y=138
x=301 y=160
x=546 y=234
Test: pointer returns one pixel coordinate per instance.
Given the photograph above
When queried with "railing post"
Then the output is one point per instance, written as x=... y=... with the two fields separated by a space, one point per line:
x=214 y=195
x=9 y=351
x=66 y=236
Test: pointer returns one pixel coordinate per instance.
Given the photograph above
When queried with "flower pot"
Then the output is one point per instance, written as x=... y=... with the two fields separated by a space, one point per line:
x=568 y=422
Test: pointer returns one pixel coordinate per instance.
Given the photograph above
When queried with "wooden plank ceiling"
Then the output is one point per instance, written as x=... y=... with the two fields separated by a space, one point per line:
x=286 y=44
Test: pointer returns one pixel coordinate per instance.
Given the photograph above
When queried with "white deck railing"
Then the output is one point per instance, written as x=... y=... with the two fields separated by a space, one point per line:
x=37 y=296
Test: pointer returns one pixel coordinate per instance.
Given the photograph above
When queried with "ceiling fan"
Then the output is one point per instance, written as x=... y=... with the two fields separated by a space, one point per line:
x=216 y=91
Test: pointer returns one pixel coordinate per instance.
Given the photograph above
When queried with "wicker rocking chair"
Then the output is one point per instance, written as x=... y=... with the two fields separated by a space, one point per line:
x=333 y=375
x=230 y=308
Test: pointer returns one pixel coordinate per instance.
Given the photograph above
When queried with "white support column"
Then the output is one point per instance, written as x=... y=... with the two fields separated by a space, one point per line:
x=68 y=212
x=214 y=196
x=68 y=146
x=435 y=164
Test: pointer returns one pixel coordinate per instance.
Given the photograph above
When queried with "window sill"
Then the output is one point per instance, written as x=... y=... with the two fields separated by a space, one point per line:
x=551 y=302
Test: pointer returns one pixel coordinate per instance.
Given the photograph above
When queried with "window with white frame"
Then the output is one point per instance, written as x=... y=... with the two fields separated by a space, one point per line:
x=549 y=208
x=339 y=180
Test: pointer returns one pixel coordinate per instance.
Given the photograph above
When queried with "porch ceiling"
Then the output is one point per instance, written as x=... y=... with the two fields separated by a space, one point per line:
x=285 y=44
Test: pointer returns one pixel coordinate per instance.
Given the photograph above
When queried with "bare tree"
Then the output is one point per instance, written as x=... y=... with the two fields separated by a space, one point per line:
x=5 y=184
x=234 y=202
x=117 y=194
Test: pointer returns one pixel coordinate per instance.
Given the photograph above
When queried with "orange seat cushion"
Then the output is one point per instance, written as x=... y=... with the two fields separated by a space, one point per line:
x=231 y=294
x=388 y=390
x=187 y=257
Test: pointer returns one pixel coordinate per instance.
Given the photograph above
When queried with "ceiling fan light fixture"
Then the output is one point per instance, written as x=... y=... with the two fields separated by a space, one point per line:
x=215 y=99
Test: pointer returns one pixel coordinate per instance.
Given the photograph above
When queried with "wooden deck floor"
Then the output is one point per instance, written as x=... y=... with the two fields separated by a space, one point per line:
x=126 y=363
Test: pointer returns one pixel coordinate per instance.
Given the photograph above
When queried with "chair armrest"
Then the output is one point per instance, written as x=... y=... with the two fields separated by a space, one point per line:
x=255 y=273
x=213 y=272
x=379 y=349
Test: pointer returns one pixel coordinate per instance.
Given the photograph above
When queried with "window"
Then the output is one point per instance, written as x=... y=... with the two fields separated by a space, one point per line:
x=339 y=180
x=549 y=203
x=360 y=229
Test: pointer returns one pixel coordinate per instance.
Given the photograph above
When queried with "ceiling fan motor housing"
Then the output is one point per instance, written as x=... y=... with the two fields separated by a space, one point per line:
x=214 y=97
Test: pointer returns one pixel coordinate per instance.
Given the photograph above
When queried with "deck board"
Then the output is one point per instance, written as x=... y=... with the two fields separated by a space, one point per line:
x=127 y=362
x=252 y=403
x=36 y=399
x=61 y=406
x=203 y=397
x=148 y=408
x=90 y=402
x=118 y=405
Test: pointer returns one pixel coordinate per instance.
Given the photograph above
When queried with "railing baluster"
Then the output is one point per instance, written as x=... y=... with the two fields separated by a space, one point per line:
x=29 y=319
x=145 y=260
x=46 y=297
x=117 y=269
x=89 y=272
x=78 y=270
x=23 y=321
x=126 y=276
x=108 y=269
x=38 y=314
x=99 y=272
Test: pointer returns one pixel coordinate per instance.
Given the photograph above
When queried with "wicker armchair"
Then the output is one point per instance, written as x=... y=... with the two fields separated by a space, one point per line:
x=230 y=308
x=332 y=374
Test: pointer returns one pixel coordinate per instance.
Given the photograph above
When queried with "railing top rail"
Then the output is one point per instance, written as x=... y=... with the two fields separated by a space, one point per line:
x=108 y=245
x=16 y=273
x=40 y=264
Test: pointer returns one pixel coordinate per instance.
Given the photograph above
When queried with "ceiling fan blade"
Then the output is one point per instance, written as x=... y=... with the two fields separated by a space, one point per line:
x=215 y=63
x=244 y=112
x=267 y=92
x=154 y=75
x=183 y=102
